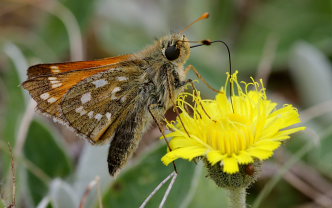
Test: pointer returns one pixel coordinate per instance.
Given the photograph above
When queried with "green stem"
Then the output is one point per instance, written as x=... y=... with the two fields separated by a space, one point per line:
x=237 y=198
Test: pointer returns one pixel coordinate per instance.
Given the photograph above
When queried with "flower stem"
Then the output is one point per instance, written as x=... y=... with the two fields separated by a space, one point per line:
x=237 y=198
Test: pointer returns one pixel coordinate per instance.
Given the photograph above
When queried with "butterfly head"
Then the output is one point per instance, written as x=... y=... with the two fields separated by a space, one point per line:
x=175 y=48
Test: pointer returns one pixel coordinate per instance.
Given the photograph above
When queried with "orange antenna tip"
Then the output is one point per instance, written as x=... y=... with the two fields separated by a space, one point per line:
x=203 y=16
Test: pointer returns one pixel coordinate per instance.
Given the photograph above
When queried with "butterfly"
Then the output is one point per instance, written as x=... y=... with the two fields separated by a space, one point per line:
x=113 y=99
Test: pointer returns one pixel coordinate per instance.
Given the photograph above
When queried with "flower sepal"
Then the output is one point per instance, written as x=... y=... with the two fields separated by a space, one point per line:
x=246 y=175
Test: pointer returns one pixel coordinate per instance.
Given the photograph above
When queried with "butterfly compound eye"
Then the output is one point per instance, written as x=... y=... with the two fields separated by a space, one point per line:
x=172 y=52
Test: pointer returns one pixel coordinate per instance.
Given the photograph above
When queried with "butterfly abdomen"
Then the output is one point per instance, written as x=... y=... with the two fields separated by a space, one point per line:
x=125 y=140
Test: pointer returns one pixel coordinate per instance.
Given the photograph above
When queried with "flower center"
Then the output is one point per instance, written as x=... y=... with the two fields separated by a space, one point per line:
x=236 y=120
x=233 y=134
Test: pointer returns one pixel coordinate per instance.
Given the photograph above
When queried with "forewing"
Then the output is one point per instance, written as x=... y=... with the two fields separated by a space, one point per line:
x=48 y=91
x=48 y=83
x=58 y=68
x=101 y=102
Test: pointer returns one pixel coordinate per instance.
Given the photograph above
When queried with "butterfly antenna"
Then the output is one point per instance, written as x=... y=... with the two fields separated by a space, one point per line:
x=204 y=16
x=208 y=42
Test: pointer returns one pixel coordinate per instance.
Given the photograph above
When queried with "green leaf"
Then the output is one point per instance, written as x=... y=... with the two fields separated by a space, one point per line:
x=55 y=33
x=134 y=186
x=277 y=18
x=11 y=96
x=82 y=10
x=48 y=156
x=312 y=74
x=14 y=104
x=113 y=32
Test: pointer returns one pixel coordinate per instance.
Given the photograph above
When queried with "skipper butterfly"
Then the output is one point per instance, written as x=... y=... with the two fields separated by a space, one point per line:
x=113 y=99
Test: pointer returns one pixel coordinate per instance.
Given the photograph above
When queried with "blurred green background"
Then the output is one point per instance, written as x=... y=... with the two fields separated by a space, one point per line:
x=287 y=43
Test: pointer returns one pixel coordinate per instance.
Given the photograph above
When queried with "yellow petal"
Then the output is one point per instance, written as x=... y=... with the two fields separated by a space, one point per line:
x=185 y=153
x=291 y=131
x=267 y=144
x=176 y=133
x=182 y=142
x=244 y=158
x=230 y=165
x=214 y=157
x=259 y=153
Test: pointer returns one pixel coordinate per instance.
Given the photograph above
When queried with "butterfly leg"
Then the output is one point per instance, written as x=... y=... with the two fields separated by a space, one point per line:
x=191 y=67
x=154 y=111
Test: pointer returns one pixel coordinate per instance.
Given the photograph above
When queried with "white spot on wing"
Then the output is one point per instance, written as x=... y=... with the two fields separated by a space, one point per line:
x=56 y=85
x=80 y=110
x=115 y=90
x=52 y=100
x=98 y=116
x=108 y=115
x=55 y=69
x=90 y=114
x=86 y=97
x=45 y=96
x=100 y=83
x=122 y=78
x=123 y=99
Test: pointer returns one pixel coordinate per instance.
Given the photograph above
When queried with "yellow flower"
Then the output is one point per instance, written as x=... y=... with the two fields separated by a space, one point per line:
x=232 y=132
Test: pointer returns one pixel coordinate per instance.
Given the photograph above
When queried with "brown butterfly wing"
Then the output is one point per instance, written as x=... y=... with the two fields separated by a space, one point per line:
x=48 y=86
x=101 y=101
